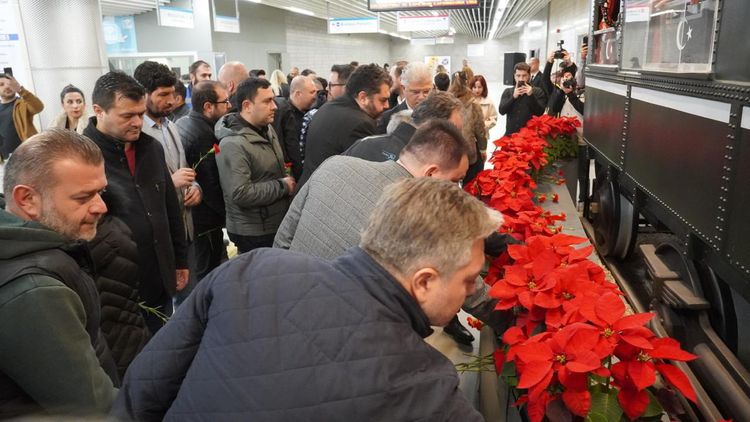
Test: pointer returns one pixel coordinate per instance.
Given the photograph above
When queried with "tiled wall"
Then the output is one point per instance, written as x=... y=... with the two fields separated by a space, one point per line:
x=310 y=46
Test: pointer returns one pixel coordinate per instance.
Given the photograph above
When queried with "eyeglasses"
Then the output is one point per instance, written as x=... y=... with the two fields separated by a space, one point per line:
x=227 y=102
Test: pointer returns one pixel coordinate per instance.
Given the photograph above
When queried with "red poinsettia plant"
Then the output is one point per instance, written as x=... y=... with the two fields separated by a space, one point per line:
x=573 y=350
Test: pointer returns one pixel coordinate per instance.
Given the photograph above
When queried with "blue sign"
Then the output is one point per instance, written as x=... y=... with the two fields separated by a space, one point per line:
x=119 y=34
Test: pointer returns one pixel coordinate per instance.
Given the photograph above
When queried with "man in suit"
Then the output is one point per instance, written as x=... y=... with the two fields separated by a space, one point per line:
x=416 y=81
x=340 y=122
x=536 y=77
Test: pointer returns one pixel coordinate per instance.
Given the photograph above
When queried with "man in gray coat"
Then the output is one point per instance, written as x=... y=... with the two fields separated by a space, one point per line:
x=316 y=227
x=251 y=168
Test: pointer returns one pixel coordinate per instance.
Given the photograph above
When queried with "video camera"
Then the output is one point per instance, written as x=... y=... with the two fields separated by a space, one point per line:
x=560 y=53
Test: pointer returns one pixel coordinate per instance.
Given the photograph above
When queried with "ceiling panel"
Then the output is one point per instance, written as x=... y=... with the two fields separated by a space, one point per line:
x=490 y=20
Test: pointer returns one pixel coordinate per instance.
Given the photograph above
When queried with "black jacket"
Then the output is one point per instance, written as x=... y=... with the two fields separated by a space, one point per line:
x=537 y=80
x=382 y=147
x=520 y=110
x=275 y=335
x=115 y=258
x=557 y=101
x=335 y=127
x=382 y=127
x=147 y=204
x=198 y=137
x=287 y=123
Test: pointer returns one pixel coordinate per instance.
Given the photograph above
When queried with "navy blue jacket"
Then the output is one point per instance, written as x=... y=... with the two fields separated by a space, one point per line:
x=274 y=335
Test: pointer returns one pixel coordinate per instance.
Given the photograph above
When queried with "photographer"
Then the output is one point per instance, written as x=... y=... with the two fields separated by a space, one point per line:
x=564 y=91
x=522 y=101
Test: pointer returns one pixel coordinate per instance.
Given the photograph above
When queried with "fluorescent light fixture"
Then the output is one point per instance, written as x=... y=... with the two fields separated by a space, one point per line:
x=300 y=11
x=255 y=1
x=499 y=12
x=535 y=24
x=520 y=24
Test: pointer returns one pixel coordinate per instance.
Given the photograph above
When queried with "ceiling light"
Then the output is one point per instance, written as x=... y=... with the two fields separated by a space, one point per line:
x=535 y=24
x=300 y=11
x=520 y=24
x=254 y=1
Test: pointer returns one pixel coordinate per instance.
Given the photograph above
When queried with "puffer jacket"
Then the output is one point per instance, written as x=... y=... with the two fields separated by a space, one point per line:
x=115 y=256
x=275 y=335
x=251 y=169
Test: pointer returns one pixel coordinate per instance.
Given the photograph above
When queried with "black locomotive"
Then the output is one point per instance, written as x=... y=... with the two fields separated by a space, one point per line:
x=667 y=123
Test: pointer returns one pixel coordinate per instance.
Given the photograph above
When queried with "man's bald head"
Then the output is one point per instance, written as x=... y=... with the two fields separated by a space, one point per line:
x=231 y=74
x=303 y=92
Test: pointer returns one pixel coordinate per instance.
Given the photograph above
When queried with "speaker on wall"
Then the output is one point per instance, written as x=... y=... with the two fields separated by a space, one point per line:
x=510 y=60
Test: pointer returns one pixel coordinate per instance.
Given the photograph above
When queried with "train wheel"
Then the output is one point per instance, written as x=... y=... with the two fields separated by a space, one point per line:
x=614 y=219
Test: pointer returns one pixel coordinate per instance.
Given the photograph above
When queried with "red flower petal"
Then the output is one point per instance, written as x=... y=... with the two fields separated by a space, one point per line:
x=632 y=321
x=585 y=361
x=669 y=348
x=499 y=360
x=533 y=373
x=513 y=335
x=609 y=308
x=643 y=374
x=633 y=402
x=678 y=380
x=579 y=254
x=636 y=341
x=578 y=402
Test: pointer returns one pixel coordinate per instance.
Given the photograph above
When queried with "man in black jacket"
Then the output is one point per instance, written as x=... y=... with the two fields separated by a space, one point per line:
x=521 y=102
x=282 y=336
x=288 y=119
x=438 y=105
x=566 y=90
x=140 y=191
x=210 y=102
x=339 y=123
x=53 y=358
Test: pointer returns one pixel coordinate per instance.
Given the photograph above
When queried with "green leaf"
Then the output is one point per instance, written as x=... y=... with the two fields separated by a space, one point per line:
x=654 y=408
x=604 y=407
x=509 y=369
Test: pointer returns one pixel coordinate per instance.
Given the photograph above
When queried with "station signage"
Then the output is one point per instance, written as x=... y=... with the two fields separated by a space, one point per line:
x=353 y=25
x=437 y=22
x=175 y=16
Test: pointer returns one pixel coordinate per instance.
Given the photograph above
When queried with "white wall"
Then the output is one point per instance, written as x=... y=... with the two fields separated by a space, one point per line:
x=490 y=65
x=568 y=19
x=310 y=46
x=262 y=31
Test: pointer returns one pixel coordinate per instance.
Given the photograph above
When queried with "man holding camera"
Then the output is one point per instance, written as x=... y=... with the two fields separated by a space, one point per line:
x=565 y=91
x=522 y=101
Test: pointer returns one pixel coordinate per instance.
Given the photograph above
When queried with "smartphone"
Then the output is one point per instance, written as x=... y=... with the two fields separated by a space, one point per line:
x=8 y=71
x=586 y=40
x=520 y=84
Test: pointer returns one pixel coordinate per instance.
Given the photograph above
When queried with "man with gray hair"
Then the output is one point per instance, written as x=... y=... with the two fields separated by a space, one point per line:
x=438 y=105
x=416 y=82
x=282 y=336
x=53 y=358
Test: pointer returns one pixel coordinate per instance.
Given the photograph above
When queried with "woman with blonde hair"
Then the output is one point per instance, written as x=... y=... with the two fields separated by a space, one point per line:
x=279 y=84
x=473 y=128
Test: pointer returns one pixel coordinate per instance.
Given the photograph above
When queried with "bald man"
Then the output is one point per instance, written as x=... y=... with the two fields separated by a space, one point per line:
x=289 y=116
x=231 y=74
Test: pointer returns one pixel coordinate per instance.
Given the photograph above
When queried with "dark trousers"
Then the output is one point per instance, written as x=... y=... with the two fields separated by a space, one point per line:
x=248 y=243
x=209 y=249
x=153 y=321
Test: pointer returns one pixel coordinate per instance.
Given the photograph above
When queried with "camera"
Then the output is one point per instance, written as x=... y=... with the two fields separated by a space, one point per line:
x=560 y=53
x=569 y=83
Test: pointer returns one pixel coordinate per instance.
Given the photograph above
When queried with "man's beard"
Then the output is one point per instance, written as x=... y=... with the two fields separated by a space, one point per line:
x=52 y=220
x=156 y=113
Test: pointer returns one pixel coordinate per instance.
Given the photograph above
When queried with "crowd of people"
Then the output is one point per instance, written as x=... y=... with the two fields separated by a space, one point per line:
x=342 y=196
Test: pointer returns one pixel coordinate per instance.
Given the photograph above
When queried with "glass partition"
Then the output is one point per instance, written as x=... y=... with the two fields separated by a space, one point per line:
x=669 y=35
